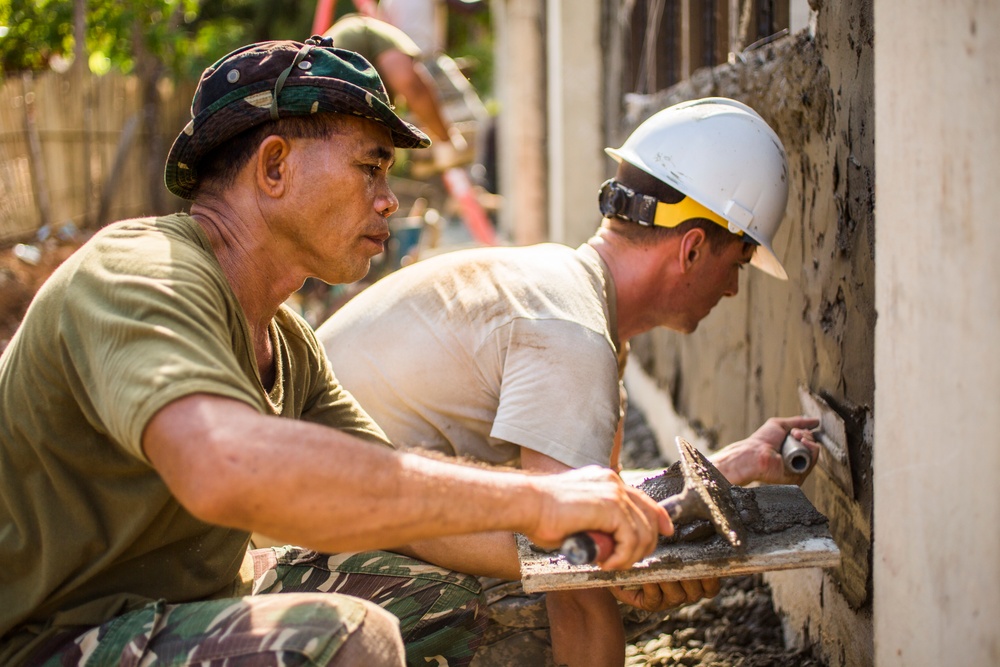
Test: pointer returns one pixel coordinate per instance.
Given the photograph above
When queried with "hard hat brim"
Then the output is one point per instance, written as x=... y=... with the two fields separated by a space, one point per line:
x=765 y=260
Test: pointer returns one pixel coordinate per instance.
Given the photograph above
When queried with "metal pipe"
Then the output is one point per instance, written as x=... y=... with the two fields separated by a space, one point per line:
x=795 y=455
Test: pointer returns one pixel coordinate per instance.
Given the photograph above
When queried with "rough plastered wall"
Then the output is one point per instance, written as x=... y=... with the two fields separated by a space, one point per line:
x=747 y=359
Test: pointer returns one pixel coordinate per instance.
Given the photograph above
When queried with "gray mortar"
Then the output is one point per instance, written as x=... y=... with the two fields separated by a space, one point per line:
x=765 y=515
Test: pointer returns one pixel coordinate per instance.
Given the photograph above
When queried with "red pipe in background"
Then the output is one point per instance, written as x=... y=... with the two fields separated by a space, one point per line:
x=323 y=18
x=459 y=185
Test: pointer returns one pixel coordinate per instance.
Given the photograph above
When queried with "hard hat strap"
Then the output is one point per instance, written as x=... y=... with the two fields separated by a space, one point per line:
x=620 y=201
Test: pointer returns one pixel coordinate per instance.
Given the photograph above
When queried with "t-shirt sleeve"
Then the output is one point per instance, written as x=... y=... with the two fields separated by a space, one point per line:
x=143 y=326
x=558 y=389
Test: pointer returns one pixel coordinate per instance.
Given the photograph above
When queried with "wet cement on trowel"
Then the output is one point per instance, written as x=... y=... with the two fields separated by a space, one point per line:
x=779 y=520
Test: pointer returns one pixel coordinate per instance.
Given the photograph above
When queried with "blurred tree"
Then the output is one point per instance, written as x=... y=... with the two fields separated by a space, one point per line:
x=150 y=39
x=470 y=41
x=153 y=39
x=182 y=36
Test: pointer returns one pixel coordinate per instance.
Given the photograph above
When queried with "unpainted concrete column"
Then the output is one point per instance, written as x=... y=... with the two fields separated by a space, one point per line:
x=520 y=86
x=575 y=135
x=937 y=359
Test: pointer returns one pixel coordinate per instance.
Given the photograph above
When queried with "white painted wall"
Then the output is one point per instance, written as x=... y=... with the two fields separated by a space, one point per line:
x=575 y=148
x=937 y=339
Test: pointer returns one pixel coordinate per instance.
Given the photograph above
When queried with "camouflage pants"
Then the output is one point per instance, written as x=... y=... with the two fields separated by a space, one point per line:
x=518 y=629
x=441 y=616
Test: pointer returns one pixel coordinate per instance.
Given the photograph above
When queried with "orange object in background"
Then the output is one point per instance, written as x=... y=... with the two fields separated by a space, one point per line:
x=459 y=186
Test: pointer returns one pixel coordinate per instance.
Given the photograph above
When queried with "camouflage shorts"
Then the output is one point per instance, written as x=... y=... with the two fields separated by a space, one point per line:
x=441 y=616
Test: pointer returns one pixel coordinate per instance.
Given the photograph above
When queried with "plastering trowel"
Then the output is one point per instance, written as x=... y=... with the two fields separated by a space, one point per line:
x=831 y=436
x=707 y=494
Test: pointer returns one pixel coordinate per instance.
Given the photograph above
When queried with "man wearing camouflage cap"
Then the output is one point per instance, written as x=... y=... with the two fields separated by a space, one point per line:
x=159 y=403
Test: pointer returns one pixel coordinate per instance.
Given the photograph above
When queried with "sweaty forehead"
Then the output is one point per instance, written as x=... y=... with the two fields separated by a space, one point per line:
x=365 y=127
x=373 y=140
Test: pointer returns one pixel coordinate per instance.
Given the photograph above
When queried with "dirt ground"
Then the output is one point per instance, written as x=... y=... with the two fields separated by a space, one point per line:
x=737 y=628
x=20 y=279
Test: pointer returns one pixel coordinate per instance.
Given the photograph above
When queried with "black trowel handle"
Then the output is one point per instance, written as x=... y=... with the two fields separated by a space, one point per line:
x=674 y=507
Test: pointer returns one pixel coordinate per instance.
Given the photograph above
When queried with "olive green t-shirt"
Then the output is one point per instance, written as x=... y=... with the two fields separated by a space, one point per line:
x=138 y=317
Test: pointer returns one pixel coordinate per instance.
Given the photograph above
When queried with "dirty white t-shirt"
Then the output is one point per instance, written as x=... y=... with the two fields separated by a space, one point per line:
x=477 y=352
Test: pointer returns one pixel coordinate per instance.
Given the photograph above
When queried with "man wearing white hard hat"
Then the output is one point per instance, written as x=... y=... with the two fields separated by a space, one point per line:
x=725 y=161
x=515 y=355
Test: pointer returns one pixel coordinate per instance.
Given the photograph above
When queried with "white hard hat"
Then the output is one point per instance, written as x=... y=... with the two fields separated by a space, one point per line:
x=723 y=155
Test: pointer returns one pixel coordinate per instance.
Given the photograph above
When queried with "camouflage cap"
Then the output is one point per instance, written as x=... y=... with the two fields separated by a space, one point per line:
x=272 y=80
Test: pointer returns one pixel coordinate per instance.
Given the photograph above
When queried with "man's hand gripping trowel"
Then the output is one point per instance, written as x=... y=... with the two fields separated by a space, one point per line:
x=707 y=494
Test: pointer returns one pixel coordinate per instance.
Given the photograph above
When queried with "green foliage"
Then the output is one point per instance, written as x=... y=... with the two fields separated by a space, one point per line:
x=36 y=30
x=470 y=38
x=184 y=36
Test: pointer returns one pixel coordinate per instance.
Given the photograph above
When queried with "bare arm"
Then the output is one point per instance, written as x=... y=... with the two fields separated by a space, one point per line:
x=586 y=628
x=616 y=446
x=758 y=457
x=482 y=554
x=409 y=78
x=339 y=493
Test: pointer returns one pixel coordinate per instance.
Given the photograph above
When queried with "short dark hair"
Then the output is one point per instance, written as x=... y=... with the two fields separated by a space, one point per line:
x=640 y=181
x=217 y=171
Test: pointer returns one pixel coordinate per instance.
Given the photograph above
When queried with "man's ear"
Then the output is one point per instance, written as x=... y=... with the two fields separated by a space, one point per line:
x=271 y=165
x=693 y=244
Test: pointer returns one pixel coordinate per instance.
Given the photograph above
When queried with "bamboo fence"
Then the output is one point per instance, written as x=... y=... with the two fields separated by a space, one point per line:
x=76 y=150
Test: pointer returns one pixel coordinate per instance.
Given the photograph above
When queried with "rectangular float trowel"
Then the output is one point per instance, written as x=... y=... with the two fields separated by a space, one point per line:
x=707 y=495
x=832 y=436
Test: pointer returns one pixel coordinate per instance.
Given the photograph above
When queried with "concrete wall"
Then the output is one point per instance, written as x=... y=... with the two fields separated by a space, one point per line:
x=746 y=360
x=937 y=365
x=575 y=139
x=519 y=27
x=551 y=140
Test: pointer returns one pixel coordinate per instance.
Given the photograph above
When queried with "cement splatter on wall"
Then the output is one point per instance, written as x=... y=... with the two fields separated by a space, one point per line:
x=746 y=360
